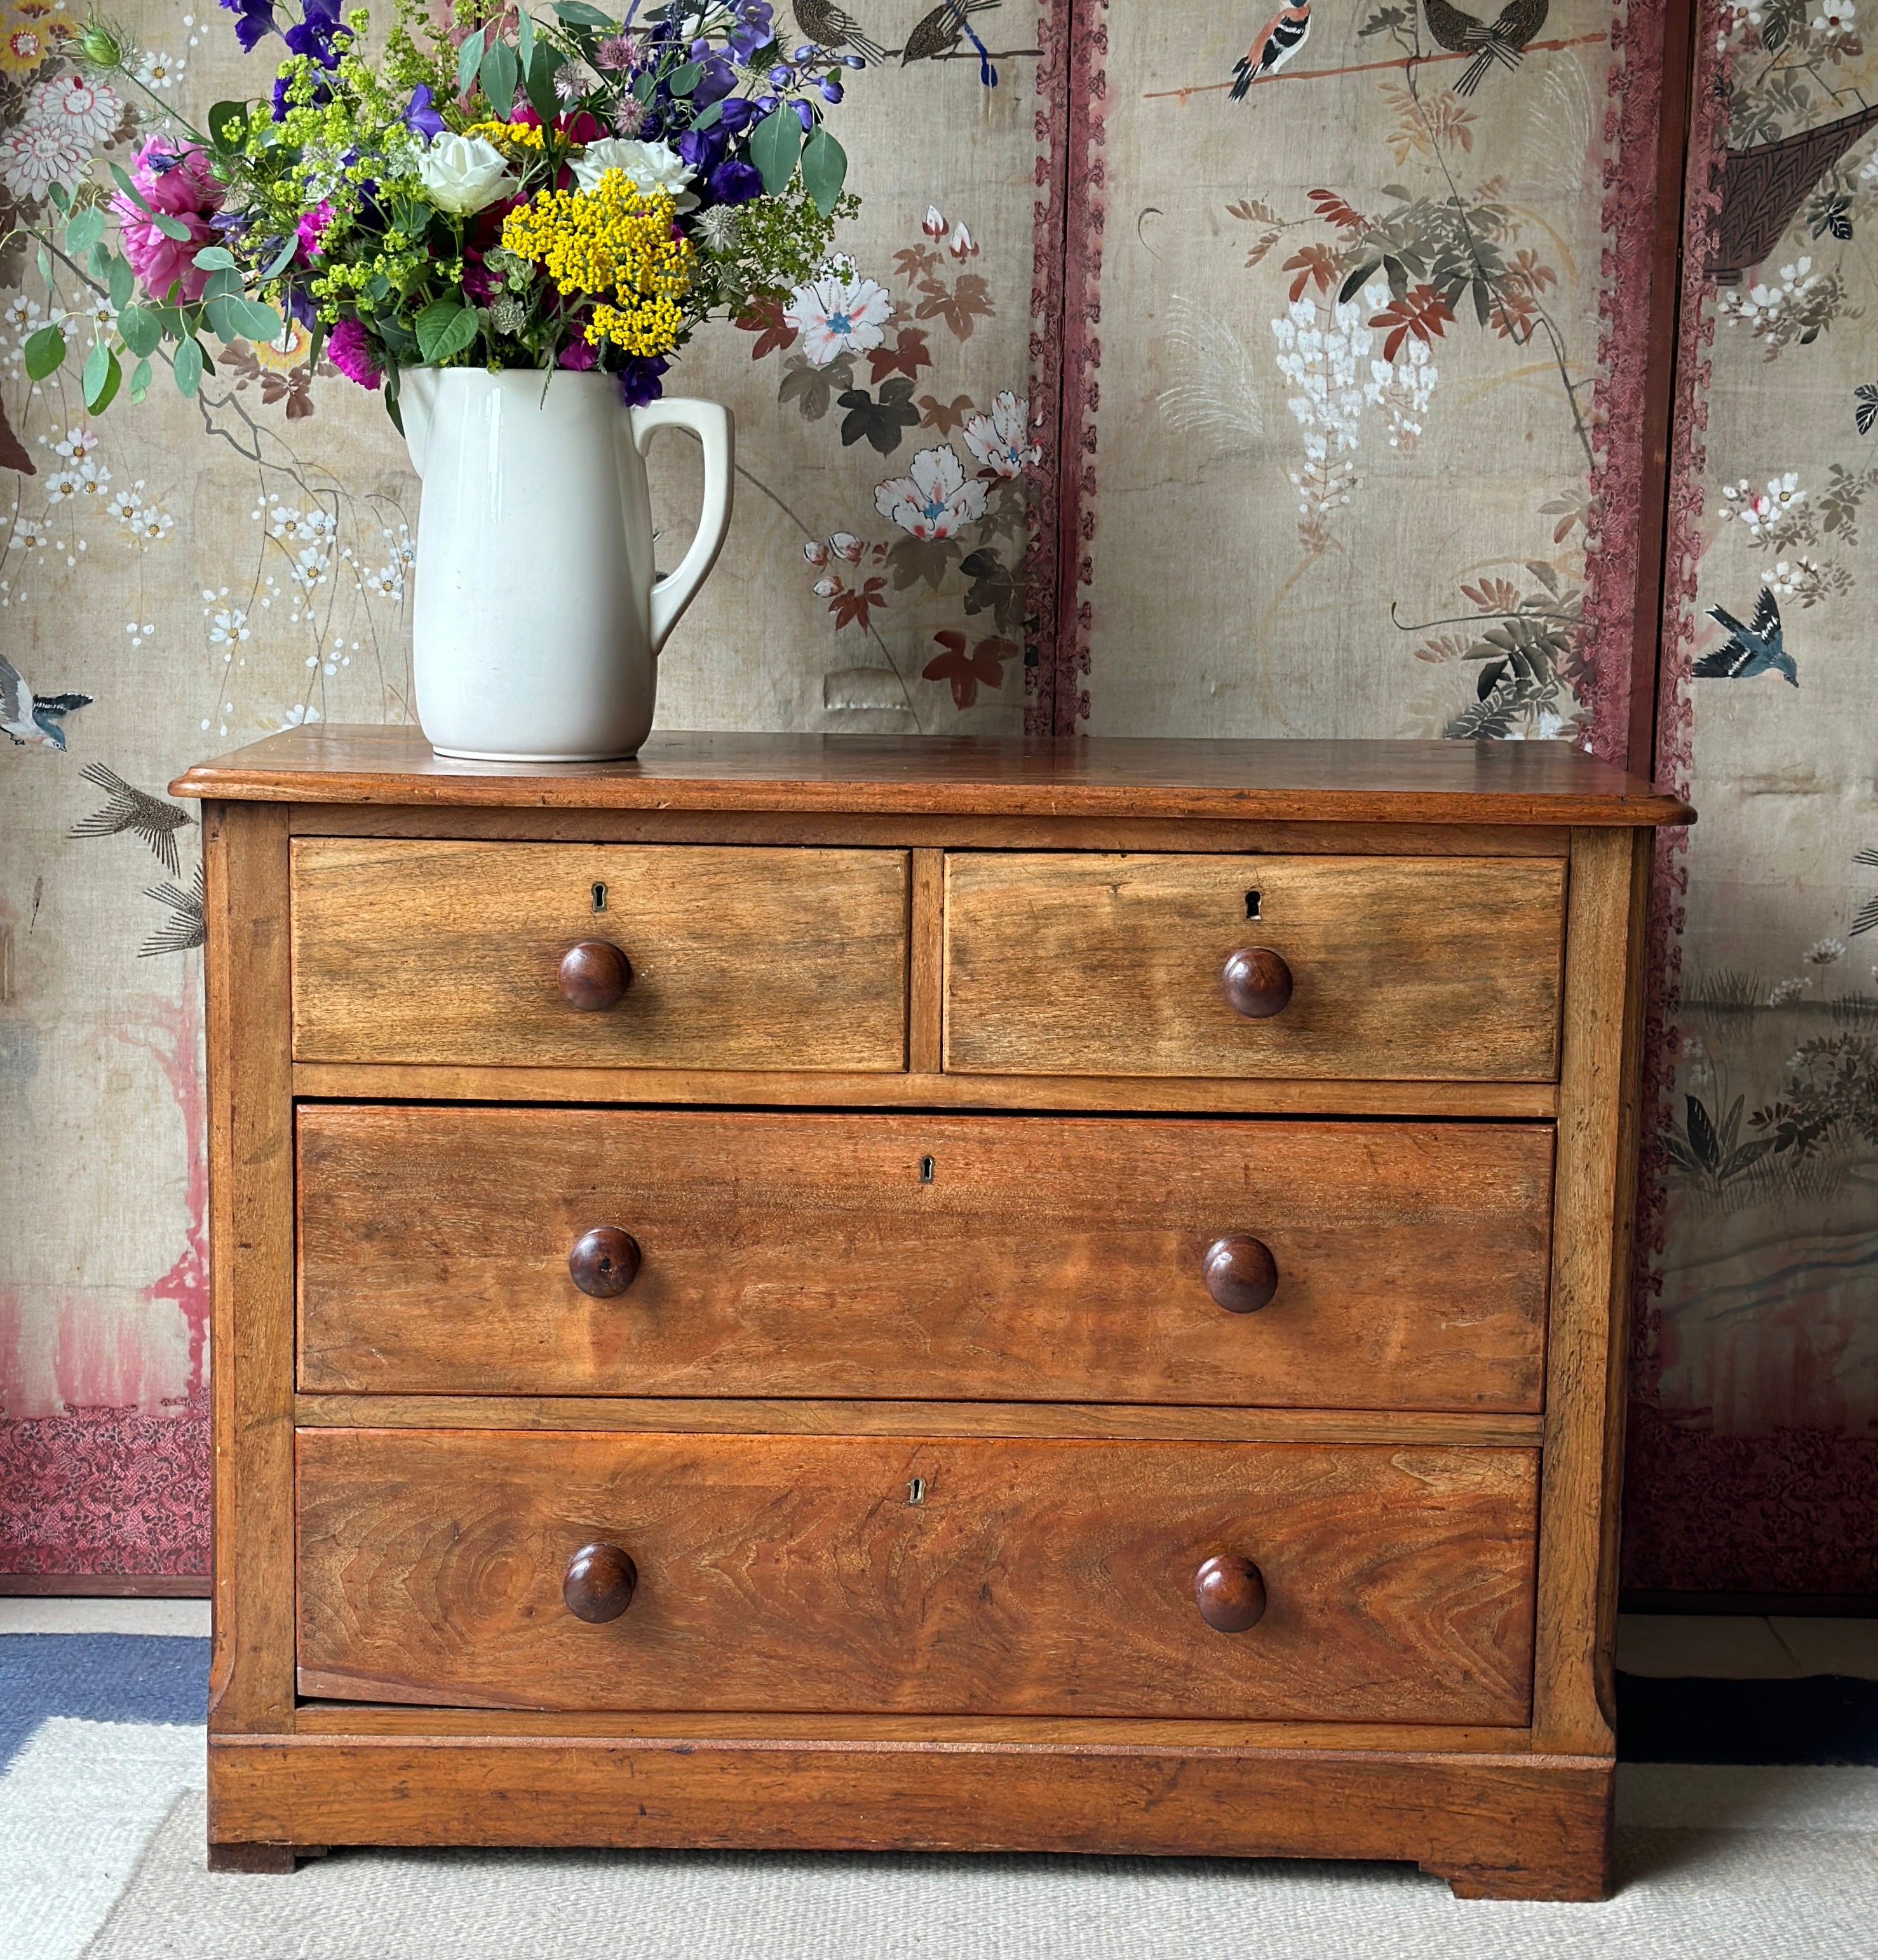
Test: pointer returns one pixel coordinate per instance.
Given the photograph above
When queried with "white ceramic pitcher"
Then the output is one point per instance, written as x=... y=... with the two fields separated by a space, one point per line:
x=538 y=624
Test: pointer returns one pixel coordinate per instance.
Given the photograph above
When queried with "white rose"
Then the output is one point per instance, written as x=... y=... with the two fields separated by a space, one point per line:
x=464 y=173
x=650 y=166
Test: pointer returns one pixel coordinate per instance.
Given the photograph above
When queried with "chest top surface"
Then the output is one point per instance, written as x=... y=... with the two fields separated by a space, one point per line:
x=1275 y=781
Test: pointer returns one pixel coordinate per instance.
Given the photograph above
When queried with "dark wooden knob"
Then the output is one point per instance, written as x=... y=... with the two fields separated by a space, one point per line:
x=605 y=1262
x=1241 y=1273
x=1229 y=1593
x=1256 y=983
x=594 y=976
x=599 y=1583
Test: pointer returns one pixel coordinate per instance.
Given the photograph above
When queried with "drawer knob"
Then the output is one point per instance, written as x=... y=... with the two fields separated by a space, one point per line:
x=1257 y=983
x=1229 y=1592
x=594 y=976
x=599 y=1583
x=605 y=1262
x=1241 y=1273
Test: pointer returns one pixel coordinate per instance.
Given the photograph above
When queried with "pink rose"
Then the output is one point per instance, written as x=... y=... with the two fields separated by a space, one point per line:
x=177 y=184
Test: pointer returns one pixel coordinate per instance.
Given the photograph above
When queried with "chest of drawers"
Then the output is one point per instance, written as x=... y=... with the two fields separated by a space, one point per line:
x=895 y=1295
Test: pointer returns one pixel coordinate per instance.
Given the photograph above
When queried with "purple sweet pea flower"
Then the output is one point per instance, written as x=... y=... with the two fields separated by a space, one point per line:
x=299 y=307
x=805 y=116
x=755 y=28
x=420 y=117
x=703 y=149
x=639 y=383
x=734 y=183
x=716 y=81
x=736 y=115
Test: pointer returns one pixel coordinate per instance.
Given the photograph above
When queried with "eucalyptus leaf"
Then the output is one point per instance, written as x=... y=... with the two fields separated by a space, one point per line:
x=684 y=80
x=278 y=263
x=468 y=61
x=577 y=14
x=215 y=311
x=85 y=231
x=499 y=76
x=705 y=118
x=140 y=330
x=101 y=378
x=223 y=284
x=140 y=380
x=122 y=281
x=540 y=81
x=643 y=84
x=171 y=228
x=824 y=169
x=773 y=146
x=525 y=38
x=45 y=266
x=190 y=360
x=226 y=123
x=97 y=260
x=44 y=351
x=214 y=259
x=130 y=190
x=253 y=320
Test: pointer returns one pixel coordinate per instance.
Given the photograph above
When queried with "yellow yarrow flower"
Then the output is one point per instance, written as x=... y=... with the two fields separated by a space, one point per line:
x=614 y=240
x=517 y=136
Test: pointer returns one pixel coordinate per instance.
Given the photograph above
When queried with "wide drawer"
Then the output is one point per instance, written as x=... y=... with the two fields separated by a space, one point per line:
x=972 y=1258
x=1076 y=964
x=793 y=1573
x=453 y=953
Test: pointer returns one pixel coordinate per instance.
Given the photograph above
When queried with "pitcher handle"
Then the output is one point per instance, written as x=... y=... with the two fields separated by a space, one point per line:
x=710 y=422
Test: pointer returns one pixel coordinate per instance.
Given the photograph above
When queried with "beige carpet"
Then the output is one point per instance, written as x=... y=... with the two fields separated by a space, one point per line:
x=1799 y=1882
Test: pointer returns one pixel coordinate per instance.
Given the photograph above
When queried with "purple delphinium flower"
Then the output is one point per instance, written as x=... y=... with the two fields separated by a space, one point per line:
x=703 y=149
x=734 y=183
x=805 y=115
x=319 y=33
x=715 y=84
x=420 y=115
x=254 y=20
x=640 y=384
x=736 y=115
x=299 y=307
x=831 y=89
x=755 y=28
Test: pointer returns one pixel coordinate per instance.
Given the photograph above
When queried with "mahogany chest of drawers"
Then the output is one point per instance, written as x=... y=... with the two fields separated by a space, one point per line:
x=882 y=1294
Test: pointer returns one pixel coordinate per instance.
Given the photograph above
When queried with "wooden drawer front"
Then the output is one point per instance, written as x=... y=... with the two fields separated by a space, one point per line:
x=1429 y=968
x=420 y=952
x=793 y=1573
x=1047 y=1258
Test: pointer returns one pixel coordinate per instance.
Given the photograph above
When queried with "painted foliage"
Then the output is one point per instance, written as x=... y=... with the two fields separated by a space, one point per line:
x=193 y=575
x=1755 y=1440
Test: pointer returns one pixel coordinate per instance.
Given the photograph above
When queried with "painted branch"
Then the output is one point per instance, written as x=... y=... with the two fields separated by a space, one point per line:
x=1405 y=62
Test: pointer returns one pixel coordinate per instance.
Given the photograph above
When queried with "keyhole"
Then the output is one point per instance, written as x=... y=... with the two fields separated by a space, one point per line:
x=1252 y=904
x=916 y=1491
x=600 y=896
x=927 y=1167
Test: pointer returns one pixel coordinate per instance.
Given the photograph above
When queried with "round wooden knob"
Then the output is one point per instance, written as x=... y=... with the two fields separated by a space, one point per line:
x=1256 y=983
x=594 y=976
x=1241 y=1273
x=599 y=1583
x=1229 y=1593
x=605 y=1262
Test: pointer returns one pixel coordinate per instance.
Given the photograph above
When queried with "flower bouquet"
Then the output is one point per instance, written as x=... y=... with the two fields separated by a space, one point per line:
x=580 y=193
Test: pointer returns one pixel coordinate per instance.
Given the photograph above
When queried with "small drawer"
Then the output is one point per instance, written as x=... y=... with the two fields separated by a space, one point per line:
x=462 y=1251
x=609 y=955
x=1380 y=967
x=745 y=1573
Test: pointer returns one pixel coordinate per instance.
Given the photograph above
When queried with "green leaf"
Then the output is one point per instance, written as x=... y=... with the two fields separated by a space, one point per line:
x=773 y=147
x=85 y=231
x=140 y=330
x=45 y=266
x=227 y=122
x=539 y=82
x=577 y=14
x=214 y=259
x=824 y=169
x=685 y=79
x=97 y=260
x=44 y=351
x=705 y=118
x=102 y=375
x=122 y=281
x=61 y=198
x=252 y=320
x=499 y=75
x=525 y=39
x=225 y=284
x=171 y=228
x=468 y=61
x=278 y=263
x=444 y=329
x=190 y=360
x=140 y=380
x=643 y=84
x=129 y=189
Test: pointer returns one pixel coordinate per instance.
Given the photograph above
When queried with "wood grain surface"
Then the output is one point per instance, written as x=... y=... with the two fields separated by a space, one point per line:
x=1279 y=781
x=1083 y=964
x=907 y=1574
x=409 y=951
x=1506 y=1827
x=994 y=1258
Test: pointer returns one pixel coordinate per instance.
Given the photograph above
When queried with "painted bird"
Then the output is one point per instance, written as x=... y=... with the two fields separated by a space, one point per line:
x=939 y=33
x=28 y=717
x=1753 y=650
x=137 y=811
x=1519 y=23
x=1457 y=31
x=1272 y=47
x=831 y=26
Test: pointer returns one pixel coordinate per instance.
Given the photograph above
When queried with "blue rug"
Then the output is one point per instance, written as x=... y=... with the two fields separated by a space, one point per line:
x=98 y=1677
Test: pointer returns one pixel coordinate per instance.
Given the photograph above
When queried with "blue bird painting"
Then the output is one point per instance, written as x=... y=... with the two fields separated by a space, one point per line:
x=1753 y=650
x=27 y=716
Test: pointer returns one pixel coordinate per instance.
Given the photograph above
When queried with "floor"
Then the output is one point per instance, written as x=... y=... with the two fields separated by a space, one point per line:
x=101 y=1824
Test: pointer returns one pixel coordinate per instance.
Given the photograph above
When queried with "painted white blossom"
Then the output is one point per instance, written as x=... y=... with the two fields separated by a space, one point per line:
x=1823 y=952
x=1000 y=440
x=838 y=312
x=935 y=500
